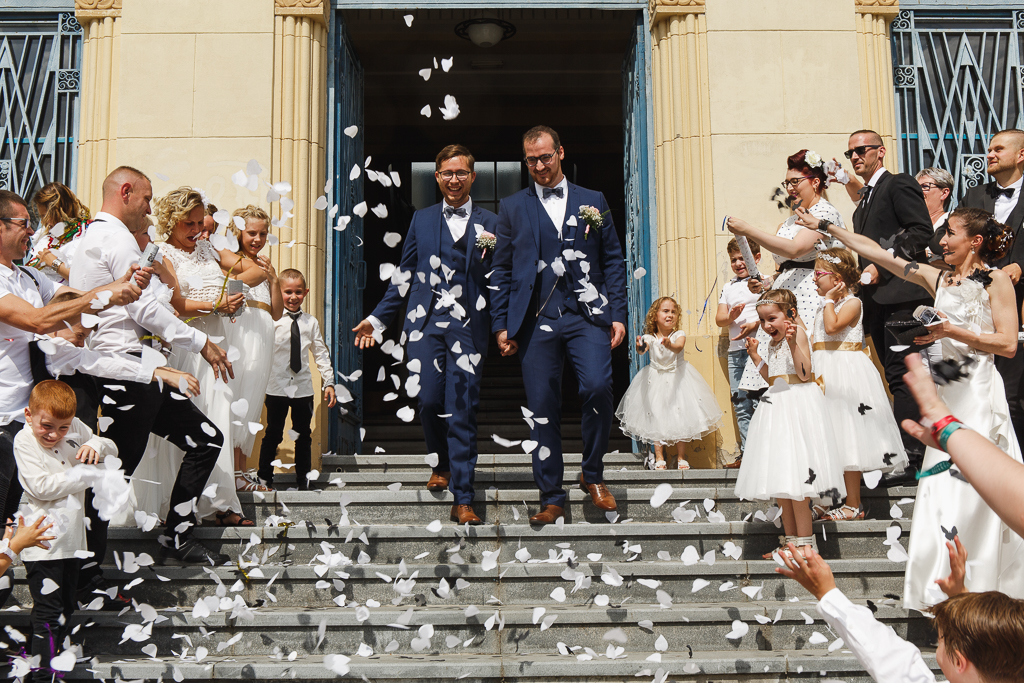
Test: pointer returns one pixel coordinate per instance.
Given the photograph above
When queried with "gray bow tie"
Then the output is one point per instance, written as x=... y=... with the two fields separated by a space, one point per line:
x=557 y=191
x=450 y=211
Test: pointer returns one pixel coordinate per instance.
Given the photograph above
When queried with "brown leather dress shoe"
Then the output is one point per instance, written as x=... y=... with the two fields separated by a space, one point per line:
x=735 y=464
x=548 y=514
x=599 y=493
x=463 y=514
x=438 y=481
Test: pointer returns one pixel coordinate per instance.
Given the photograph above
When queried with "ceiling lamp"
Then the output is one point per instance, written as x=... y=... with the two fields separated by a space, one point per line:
x=484 y=31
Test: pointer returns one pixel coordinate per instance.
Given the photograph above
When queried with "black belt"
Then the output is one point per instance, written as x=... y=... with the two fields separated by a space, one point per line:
x=794 y=265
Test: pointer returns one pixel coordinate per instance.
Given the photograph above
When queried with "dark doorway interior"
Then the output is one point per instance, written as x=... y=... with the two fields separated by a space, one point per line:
x=562 y=68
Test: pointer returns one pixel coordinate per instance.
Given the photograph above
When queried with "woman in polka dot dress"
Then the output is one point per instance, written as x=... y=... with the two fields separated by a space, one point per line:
x=793 y=246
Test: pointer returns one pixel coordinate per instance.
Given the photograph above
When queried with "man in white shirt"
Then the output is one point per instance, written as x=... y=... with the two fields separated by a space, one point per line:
x=139 y=409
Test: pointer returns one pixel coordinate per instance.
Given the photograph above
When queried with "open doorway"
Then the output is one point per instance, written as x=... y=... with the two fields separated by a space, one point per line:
x=562 y=68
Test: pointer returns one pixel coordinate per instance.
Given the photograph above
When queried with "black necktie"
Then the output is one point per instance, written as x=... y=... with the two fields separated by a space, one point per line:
x=450 y=211
x=995 y=191
x=864 y=192
x=557 y=191
x=295 y=360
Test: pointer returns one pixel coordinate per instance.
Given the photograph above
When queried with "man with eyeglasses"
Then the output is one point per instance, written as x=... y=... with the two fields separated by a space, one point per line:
x=444 y=269
x=24 y=314
x=1002 y=198
x=560 y=294
x=892 y=212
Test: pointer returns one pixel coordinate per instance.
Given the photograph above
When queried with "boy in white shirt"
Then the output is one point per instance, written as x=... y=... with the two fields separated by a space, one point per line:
x=736 y=309
x=291 y=384
x=52 y=442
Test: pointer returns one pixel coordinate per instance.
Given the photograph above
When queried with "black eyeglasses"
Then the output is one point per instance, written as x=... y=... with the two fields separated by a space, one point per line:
x=23 y=222
x=925 y=187
x=447 y=175
x=859 y=151
x=793 y=182
x=543 y=158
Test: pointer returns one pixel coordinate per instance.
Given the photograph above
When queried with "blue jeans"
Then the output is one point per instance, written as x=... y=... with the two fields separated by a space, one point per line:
x=742 y=405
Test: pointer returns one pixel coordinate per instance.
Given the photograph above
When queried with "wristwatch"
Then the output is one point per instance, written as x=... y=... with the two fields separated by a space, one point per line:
x=823 y=225
x=56 y=264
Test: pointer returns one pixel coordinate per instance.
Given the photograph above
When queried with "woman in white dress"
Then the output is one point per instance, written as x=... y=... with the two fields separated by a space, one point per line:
x=63 y=219
x=979 y=321
x=193 y=269
x=253 y=334
x=793 y=247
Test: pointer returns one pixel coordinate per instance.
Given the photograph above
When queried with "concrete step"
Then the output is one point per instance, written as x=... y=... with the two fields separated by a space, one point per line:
x=519 y=584
x=511 y=458
x=391 y=544
x=721 y=666
x=700 y=627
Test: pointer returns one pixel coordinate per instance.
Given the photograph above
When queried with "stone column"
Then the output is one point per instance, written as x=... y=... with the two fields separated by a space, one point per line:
x=97 y=126
x=874 y=53
x=683 y=177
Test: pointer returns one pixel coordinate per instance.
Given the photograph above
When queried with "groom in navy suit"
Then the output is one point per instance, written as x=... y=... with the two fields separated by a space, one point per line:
x=447 y=323
x=560 y=293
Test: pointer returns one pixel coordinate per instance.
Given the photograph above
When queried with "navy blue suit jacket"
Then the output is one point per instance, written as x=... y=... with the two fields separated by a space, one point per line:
x=518 y=253
x=421 y=243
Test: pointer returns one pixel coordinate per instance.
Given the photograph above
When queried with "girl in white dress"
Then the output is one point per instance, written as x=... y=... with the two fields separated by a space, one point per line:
x=63 y=219
x=253 y=334
x=867 y=436
x=793 y=247
x=979 y=320
x=668 y=402
x=193 y=269
x=791 y=453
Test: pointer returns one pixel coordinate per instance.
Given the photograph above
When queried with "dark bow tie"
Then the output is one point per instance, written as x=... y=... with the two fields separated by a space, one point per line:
x=557 y=191
x=994 y=191
x=450 y=211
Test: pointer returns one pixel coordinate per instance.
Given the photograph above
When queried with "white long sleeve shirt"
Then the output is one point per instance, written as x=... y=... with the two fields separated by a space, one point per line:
x=883 y=654
x=68 y=359
x=43 y=474
x=106 y=253
x=15 y=370
x=284 y=382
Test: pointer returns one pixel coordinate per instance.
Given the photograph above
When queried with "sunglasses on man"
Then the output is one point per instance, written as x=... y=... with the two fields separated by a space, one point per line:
x=859 y=151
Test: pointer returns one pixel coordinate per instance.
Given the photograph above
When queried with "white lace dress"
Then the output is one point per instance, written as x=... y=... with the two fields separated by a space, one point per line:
x=866 y=432
x=791 y=449
x=668 y=400
x=947 y=500
x=200 y=279
x=253 y=335
x=799 y=280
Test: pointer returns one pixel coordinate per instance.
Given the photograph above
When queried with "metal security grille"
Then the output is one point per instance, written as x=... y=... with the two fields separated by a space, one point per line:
x=40 y=62
x=958 y=81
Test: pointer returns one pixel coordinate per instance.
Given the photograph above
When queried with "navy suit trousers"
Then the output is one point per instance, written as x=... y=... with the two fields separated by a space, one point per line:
x=588 y=348
x=454 y=392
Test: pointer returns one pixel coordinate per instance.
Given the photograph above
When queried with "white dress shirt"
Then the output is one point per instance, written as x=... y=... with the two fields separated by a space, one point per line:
x=106 y=253
x=67 y=359
x=15 y=370
x=1004 y=205
x=882 y=653
x=284 y=382
x=871 y=183
x=555 y=205
x=43 y=474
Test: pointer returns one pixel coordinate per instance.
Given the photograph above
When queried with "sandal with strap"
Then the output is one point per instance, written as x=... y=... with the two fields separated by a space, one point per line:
x=229 y=518
x=846 y=513
x=783 y=548
x=660 y=465
x=682 y=464
x=818 y=512
x=244 y=484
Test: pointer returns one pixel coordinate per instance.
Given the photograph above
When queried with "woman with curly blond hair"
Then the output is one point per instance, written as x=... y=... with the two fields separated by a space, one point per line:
x=668 y=402
x=195 y=273
x=63 y=219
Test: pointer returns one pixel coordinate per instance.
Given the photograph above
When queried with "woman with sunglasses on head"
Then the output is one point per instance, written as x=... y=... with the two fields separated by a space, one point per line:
x=793 y=247
x=976 y=321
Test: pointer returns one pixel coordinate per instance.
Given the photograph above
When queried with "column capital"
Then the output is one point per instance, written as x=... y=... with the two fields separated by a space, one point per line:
x=660 y=9
x=879 y=7
x=315 y=9
x=97 y=9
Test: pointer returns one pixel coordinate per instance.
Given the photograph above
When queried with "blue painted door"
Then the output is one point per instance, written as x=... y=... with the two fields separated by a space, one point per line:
x=638 y=166
x=343 y=307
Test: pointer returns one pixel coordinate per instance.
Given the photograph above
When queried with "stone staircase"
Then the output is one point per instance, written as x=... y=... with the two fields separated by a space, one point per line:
x=503 y=601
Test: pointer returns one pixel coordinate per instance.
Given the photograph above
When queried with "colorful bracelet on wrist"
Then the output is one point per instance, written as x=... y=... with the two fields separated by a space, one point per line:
x=947 y=432
x=940 y=424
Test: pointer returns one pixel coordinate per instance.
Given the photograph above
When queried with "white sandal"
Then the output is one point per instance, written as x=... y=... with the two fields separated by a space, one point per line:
x=839 y=514
x=682 y=464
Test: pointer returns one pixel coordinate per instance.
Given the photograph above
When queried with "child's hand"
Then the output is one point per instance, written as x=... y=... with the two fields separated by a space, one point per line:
x=790 y=332
x=88 y=455
x=745 y=330
x=330 y=396
x=837 y=292
x=755 y=286
x=736 y=310
x=641 y=345
x=954 y=583
x=29 y=536
x=751 y=343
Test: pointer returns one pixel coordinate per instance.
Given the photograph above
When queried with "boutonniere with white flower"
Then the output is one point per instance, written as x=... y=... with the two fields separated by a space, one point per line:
x=485 y=241
x=593 y=218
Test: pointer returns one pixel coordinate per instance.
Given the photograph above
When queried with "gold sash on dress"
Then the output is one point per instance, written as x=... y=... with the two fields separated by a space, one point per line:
x=790 y=379
x=839 y=346
x=260 y=305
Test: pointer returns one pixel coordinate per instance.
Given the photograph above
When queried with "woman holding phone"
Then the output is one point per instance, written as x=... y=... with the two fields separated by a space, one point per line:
x=976 y=321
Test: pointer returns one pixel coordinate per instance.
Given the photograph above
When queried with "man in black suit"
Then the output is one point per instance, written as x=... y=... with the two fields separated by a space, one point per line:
x=891 y=211
x=1002 y=198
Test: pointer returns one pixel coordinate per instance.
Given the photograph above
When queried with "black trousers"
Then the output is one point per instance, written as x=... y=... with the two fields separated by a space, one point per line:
x=302 y=415
x=904 y=407
x=10 y=486
x=51 y=613
x=153 y=410
x=1012 y=372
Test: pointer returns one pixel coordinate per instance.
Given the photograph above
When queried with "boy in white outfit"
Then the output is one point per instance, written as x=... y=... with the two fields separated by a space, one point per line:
x=52 y=442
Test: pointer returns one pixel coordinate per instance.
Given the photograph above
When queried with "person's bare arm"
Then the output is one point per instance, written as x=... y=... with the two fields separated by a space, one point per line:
x=802 y=242
x=755 y=357
x=801 y=350
x=241 y=268
x=847 y=315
